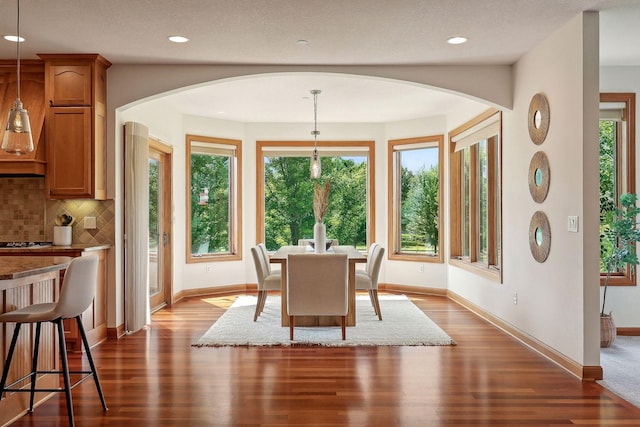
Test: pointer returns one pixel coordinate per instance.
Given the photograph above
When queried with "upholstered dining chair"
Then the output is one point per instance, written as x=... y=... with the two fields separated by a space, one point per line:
x=369 y=254
x=317 y=285
x=368 y=280
x=305 y=242
x=265 y=256
x=266 y=281
x=77 y=292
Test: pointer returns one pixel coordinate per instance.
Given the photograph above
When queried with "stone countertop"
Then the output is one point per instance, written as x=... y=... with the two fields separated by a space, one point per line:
x=15 y=267
x=55 y=249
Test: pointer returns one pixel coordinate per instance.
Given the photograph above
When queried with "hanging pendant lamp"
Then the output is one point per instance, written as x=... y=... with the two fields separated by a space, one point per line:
x=17 y=137
x=314 y=167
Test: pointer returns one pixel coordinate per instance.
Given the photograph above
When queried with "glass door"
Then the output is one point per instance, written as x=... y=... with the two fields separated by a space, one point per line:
x=159 y=225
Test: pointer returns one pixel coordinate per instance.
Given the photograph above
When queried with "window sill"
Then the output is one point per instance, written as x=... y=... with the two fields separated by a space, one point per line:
x=213 y=258
x=490 y=273
x=399 y=256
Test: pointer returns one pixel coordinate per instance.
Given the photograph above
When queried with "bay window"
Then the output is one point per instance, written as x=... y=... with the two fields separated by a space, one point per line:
x=476 y=206
x=213 y=199
x=415 y=191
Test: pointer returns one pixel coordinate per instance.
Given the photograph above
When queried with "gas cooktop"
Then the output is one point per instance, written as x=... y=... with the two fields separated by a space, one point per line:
x=21 y=245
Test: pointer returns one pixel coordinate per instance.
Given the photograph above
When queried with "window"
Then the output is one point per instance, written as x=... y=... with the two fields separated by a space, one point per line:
x=617 y=169
x=415 y=182
x=476 y=218
x=285 y=192
x=213 y=199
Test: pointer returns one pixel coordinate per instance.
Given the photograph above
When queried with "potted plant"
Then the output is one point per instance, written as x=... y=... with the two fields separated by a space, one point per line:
x=623 y=236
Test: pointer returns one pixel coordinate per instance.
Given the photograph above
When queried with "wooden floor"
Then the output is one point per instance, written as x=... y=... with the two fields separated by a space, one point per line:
x=154 y=378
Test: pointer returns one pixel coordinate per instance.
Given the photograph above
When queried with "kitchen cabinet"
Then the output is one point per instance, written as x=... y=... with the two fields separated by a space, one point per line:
x=94 y=318
x=76 y=98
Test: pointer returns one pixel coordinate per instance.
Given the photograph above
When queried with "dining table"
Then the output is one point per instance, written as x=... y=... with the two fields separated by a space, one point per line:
x=354 y=257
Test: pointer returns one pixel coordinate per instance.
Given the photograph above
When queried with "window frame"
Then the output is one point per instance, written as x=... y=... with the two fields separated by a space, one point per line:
x=367 y=147
x=493 y=268
x=393 y=202
x=629 y=277
x=235 y=216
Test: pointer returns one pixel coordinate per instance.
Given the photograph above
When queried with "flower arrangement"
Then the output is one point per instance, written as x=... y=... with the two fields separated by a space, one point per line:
x=321 y=199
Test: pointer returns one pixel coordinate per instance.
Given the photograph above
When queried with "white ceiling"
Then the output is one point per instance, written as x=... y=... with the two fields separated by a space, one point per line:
x=355 y=32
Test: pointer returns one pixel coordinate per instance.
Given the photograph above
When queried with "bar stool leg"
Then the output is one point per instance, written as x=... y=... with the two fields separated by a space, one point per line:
x=12 y=347
x=90 y=358
x=34 y=365
x=65 y=370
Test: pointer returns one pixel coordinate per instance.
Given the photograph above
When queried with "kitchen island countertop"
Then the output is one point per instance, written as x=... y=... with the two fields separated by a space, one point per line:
x=16 y=267
x=57 y=250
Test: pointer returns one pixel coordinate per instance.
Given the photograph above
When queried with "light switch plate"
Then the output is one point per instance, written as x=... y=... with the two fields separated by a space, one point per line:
x=90 y=223
x=572 y=224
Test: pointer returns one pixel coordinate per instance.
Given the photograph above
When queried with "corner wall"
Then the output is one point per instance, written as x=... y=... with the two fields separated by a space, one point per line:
x=557 y=299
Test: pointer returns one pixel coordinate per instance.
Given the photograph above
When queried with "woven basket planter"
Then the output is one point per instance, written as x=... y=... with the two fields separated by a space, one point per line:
x=607 y=330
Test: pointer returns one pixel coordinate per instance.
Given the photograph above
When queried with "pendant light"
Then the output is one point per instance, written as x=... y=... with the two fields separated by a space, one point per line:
x=17 y=137
x=314 y=168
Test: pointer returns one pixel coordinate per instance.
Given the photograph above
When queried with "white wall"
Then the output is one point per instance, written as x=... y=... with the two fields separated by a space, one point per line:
x=557 y=299
x=624 y=301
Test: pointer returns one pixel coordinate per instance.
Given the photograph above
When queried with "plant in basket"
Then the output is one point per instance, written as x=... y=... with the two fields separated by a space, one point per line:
x=623 y=236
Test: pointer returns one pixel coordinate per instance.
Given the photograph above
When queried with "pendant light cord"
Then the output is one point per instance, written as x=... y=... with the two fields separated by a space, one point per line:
x=315 y=132
x=18 y=48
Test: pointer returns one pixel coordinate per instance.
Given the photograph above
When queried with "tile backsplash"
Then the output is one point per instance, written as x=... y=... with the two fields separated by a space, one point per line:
x=27 y=215
x=22 y=207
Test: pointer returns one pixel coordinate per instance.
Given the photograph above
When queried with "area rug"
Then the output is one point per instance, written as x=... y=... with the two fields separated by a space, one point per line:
x=620 y=367
x=402 y=324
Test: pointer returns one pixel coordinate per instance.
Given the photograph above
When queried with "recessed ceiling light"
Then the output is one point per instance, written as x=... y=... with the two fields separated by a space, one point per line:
x=302 y=42
x=178 y=39
x=14 y=38
x=457 y=40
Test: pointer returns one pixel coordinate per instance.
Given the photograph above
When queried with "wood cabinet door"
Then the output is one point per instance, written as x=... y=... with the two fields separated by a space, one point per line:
x=69 y=153
x=70 y=85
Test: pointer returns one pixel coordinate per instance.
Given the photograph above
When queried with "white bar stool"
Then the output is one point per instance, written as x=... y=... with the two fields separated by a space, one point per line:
x=77 y=293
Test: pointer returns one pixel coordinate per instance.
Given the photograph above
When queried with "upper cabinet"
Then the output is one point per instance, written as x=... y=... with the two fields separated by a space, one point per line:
x=76 y=104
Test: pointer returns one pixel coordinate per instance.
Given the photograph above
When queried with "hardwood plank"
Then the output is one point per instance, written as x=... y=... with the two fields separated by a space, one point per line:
x=155 y=378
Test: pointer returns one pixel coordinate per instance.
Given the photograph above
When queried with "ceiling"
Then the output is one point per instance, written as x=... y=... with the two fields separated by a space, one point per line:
x=354 y=32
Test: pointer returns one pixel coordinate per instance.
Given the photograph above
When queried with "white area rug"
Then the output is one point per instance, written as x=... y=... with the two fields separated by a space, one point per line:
x=402 y=324
x=620 y=364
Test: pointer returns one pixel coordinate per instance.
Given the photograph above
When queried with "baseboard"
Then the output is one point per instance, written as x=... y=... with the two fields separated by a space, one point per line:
x=411 y=290
x=628 y=332
x=115 y=333
x=214 y=291
x=585 y=373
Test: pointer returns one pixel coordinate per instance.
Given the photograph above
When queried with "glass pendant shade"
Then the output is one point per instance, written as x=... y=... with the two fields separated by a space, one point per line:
x=314 y=168
x=17 y=137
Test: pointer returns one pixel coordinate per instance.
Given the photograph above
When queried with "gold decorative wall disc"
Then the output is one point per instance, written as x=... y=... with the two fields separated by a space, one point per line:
x=539 y=177
x=539 y=118
x=539 y=236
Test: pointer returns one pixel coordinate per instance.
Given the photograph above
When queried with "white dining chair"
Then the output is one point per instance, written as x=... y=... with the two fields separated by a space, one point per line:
x=317 y=285
x=361 y=268
x=77 y=292
x=368 y=280
x=266 y=281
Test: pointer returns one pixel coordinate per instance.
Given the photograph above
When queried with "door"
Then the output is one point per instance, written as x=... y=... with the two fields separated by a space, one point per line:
x=160 y=259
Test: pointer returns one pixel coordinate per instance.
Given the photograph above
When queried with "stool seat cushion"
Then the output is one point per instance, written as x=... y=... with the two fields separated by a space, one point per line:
x=45 y=312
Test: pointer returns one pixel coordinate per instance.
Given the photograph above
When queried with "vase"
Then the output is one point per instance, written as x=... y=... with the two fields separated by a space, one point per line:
x=319 y=237
x=607 y=330
x=61 y=235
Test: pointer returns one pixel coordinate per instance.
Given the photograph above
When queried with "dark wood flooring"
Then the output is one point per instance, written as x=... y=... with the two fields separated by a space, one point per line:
x=155 y=378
